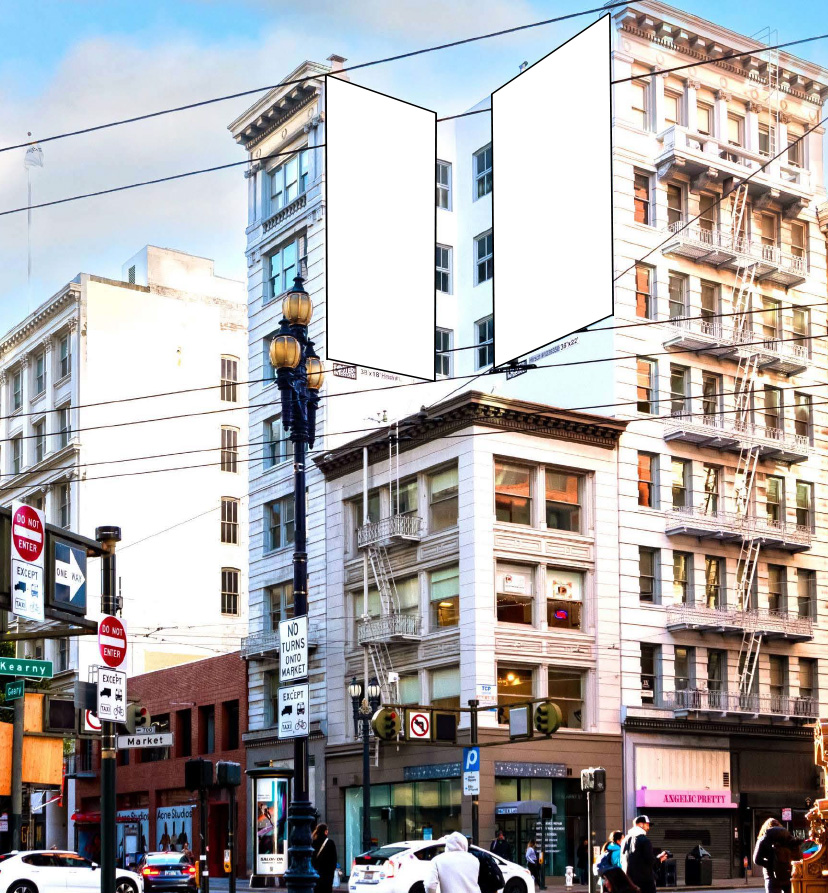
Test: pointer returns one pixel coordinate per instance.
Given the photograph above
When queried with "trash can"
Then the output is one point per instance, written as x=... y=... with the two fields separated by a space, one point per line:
x=698 y=868
x=666 y=874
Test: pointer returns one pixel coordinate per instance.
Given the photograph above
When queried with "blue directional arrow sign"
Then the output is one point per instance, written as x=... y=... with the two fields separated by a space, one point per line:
x=70 y=577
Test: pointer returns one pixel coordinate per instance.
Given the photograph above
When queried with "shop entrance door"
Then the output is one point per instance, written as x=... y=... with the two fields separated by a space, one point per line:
x=518 y=831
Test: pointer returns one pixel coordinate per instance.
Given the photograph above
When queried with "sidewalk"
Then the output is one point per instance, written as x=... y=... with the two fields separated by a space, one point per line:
x=222 y=885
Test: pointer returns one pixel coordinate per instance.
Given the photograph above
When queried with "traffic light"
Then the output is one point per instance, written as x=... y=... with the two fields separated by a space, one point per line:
x=228 y=774
x=137 y=717
x=594 y=780
x=198 y=774
x=387 y=723
x=548 y=717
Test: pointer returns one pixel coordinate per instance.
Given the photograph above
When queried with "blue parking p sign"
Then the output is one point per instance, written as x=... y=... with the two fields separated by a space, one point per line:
x=471 y=771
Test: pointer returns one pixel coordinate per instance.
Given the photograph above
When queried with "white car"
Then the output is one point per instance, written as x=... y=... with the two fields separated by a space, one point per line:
x=402 y=867
x=50 y=871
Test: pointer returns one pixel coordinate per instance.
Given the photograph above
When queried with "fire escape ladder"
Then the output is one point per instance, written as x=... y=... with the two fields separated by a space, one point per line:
x=384 y=578
x=381 y=663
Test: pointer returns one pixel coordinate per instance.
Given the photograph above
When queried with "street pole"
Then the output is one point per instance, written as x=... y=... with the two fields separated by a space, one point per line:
x=17 y=775
x=299 y=376
x=203 y=866
x=231 y=838
x=366 y=783
x=589 y=841
x=473 y=704
x=108 y=537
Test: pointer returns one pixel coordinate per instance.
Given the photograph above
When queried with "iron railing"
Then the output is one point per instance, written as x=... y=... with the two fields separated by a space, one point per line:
x=717 y=701
x=388 y=628
x=733 y=524
x=723 y=617
x=386 y=530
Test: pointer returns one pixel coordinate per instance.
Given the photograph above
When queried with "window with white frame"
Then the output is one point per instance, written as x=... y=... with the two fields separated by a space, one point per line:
x=711 y=397
x=230 y=590
x=279 y=603
x=230 y=520
x=64 y=493
x=409 y=688
x=279 y=523
x=640 y=95
x=681 y=471
x=709 y=304
x=646 y=385
x=796 y=146
x=445 y=688
x=513 y=493
x=282 y=267
x=803 y=424
x=642 y=209
x=17 y=454
x=704 y=118
x=40 y=373
x=673 y=105
x=442 y=498
x=644 y=302
x=484 y=339
x=650 y=673
x=276 y=444
x=677 y=291
x=444 y=596
x=514 y=594
x=566 y=688
x=564 y=598
x=483 y=258
x=442 y=269
x=444 y=185
x=482 y=172
x=17 y=390
x=229 y=378
x=682 y=566
x=229 y=449
x=648 y=480
x=289 y=181
x=64 y=420
x=805 y=505
x=443 y=339
x=404 y=498
x=799 y=239
x=679 y=390
x=64 y=357
x=675 y=204
x=648 y=562
x=711 y=475
x=39 y=429
x=563 y=500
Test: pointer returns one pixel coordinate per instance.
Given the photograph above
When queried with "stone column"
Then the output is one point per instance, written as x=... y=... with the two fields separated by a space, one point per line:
x=691 y=98
x=720 y=116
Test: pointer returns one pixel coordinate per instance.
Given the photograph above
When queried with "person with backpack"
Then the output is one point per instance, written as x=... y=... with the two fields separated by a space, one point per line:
x=611 y=853
x=490 y=878
x=455 y=870
x=776 y=849
x=638 y=858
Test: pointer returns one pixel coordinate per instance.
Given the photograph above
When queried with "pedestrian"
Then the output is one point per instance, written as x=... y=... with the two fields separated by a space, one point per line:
x=615 y=881
x=638 y=858
x=532 y=860
x=501 y=847
x=323 y=858
x=455 y=870
x=581 y=860
x=776 y=849
x=490 y=877
x=610 y=853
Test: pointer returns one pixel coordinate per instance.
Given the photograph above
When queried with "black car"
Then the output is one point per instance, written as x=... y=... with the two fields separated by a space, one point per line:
x=167 y=871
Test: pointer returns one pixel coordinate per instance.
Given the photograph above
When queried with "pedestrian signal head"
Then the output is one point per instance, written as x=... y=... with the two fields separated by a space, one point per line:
x=548 y=717
x=387 y=723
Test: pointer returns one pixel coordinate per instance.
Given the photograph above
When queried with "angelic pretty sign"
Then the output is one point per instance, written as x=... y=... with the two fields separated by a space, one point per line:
x=688 y=799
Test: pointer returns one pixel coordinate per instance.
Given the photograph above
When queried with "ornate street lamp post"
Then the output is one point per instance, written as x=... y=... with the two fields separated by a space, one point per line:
x=299 y=376
x=364 y=709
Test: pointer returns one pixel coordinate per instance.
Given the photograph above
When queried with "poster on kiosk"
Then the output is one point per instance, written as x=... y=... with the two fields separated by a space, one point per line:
x=270 y=807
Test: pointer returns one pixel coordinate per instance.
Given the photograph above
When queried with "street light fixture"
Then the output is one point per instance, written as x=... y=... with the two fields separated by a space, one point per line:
x=363 y=711
x=299 y=376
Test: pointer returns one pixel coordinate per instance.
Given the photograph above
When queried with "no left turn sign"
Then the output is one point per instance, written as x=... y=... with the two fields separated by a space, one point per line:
x=419 y=725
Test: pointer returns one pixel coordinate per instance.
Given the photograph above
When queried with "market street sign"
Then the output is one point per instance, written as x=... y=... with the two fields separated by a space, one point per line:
x=293 y=649
x=15 y=690
x=32 y=669
x=137 y=741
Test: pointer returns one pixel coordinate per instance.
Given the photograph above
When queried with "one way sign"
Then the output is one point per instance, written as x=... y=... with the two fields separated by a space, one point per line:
x=70 y=577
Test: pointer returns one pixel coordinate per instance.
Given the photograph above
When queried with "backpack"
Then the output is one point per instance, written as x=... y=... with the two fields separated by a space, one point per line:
x=490 y=877
x=605 y=864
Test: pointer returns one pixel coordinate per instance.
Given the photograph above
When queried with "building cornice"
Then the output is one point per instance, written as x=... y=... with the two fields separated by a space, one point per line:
x=654 y=724
x=475 y=409
x=279 y=113
x=36 y=319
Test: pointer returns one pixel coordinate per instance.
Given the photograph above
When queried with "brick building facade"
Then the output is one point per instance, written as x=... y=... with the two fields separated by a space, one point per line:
x=204 y=705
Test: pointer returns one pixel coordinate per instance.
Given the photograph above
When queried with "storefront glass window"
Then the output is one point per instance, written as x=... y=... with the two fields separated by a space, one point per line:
x=514 y=684
x=566 y=690
x=564 y=598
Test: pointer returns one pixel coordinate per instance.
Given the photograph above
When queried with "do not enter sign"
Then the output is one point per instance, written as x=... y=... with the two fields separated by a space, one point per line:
x=112 y=641
x=27 y=533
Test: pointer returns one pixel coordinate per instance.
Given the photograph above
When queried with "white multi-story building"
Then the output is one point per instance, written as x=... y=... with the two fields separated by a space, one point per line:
x=715 y=357
x=167 y=467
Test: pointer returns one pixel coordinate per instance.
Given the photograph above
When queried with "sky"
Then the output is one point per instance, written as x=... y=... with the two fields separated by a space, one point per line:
x=68 y=64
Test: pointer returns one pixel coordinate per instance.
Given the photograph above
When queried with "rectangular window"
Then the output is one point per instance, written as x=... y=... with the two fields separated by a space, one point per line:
x=685 y=668
x=682 y=562
x=40 y=440
x=515 y=594
x=806 y=592
x=289 y=181
x=736 y=130
x=229 y=378
x=409 y=688
x=648 y=562
x=230 y=520
x=513 y=493
x=708 y=212
x=64 y=426
x=675 y=205
x=445 y=688
x=442 y=497
x=646 y=385
x=64 y=357
x=514 y=684
x=483 y=258
x=442 y=272
x=644 y=304
x=777 y=589
x=564 y=598
x=672 y=108
x=716 y=670
x=711 y=394
x=647 y=477
x=713 y=581
x=796 y=148
x=276 y=444
x=641 y=104
x=768 y=226
x=444 y=185
x=230 y=725
x=804 y=505
x=807 y=678
x=230 y=590
x=778 y=680
x=650 y=659
x=443 y=339
x=709 y=300
x=484 y=339
x=764 y=139
x=207 y=729
x=279 y=523
x=444 y=596
x=641 y=198
x=229 y=449
x=681 y=473
x=40 y=373
x=283 y=266
x=373 y=511
x=710 y=502
x=566 y=689
x=65 y=505
x=774 y=410
x=775 y=499
x=677 y=292
x=799 y=239
x=184 y=733
x=704 y=119
x=280 y=604
x=63 y=655
x=801 y=328
x=17 y=390
x=482 y=172
x=563 y=502
x=17 y=454
x=769 y=318
x=404 y=498
x=679 y=390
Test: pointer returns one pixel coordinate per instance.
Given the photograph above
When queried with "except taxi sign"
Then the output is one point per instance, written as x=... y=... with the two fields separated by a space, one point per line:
x=28 y=535
x=112 y=641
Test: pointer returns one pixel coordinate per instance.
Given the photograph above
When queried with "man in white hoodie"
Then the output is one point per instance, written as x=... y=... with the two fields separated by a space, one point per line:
x=455 y=870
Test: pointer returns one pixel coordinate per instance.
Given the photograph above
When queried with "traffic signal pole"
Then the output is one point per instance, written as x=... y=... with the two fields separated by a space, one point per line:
x=17 y=775
x=108 y=537
x=473 y=705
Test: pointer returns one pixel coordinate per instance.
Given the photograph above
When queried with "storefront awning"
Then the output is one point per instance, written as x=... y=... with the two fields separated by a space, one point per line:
x=524 y=807
x=86 y=818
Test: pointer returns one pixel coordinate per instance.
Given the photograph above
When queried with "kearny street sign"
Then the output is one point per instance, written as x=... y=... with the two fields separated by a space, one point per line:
x=34 y=669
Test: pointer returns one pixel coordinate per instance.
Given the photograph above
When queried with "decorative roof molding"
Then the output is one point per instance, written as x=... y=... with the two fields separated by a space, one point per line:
x=35 y=320
x=475 y=409
x=255 y=139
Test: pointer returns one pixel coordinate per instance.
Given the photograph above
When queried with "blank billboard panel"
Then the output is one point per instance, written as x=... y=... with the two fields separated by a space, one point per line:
x=552 y=196
x=381 y=230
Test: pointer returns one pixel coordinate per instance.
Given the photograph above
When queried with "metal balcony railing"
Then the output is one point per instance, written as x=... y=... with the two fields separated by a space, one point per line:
x=713 y=701
x=724 y=432
x=388 y=628
x=79 y=765
x=731 y=619
x=706 y=523
x=266 y=644
x=389 y=530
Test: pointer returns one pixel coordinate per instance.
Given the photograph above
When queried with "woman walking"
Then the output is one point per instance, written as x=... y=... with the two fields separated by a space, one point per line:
x=775 y=849
x=324 y=858
x=532 y=860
